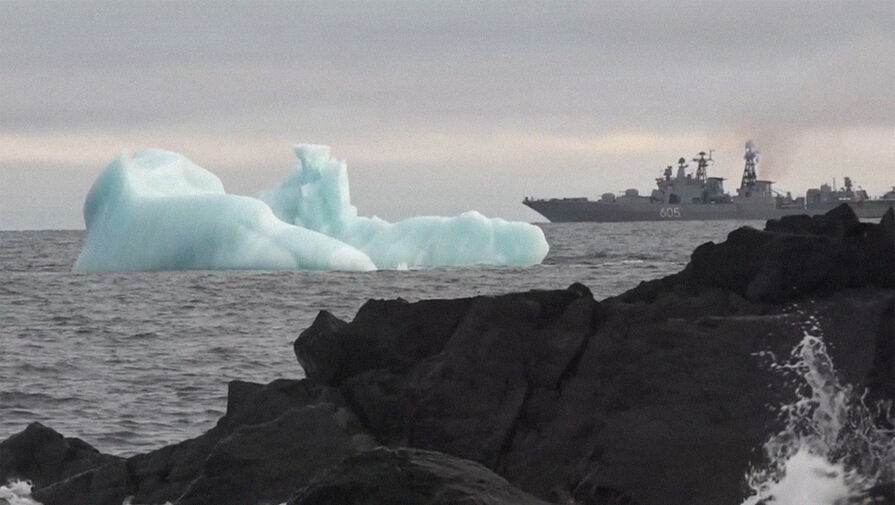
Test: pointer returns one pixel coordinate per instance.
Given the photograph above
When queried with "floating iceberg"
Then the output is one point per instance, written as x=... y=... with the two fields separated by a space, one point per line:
x=317 y=197
x=158 y=210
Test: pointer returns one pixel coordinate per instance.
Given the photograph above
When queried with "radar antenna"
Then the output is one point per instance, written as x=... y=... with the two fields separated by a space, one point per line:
x=702 y=164
x=751 y=158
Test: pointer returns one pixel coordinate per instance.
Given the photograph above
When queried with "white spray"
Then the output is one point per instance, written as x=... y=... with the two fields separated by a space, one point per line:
x=17 y=493
x=830 y=449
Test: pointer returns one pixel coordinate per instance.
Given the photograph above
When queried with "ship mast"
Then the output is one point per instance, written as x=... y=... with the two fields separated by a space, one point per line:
x=702 y=164
x=682 y=168
x=749 y=176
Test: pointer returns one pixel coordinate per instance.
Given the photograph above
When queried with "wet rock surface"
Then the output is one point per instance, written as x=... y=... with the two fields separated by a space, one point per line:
x=791 y=258
x=262 y=462
x=104 y=485
x=409 y=477
x=165 y=474
x=641 y=401
x=657 y=396
x=42 y=456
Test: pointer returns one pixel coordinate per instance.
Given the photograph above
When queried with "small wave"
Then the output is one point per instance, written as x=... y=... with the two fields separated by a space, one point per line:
x=620 y=263
x=599 y=254
x=14 y=397
x=222 y=350
x=648 y=257
x=144 y=335
x=47 y=368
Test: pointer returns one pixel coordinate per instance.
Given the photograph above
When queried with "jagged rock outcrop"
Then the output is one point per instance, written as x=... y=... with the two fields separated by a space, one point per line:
x=389 y=334
x=495 y=351
x=409 y=477
x=104 y=485
x=565 y=396
x=165 y=474
x=262 y=463
x=66 y=471
x=43 y=456
x=637 y=398
x=794 y=257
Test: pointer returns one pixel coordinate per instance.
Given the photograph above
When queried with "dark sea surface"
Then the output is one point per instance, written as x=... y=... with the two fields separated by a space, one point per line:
x=132 y=361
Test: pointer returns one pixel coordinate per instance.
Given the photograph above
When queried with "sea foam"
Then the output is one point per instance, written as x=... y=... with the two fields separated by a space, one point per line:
x=17 y=493
x=832 y=447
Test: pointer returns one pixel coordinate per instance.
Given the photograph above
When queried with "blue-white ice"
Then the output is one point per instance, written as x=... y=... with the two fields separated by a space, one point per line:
x=316 y=196
x=158 y=210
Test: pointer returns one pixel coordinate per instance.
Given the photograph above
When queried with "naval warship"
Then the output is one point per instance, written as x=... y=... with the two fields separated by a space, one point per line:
x=695 y=196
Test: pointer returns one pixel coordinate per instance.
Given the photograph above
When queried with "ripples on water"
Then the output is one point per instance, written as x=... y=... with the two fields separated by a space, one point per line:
x=132 y=361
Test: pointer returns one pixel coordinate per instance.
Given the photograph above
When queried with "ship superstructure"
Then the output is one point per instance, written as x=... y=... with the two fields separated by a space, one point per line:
x=685 y=187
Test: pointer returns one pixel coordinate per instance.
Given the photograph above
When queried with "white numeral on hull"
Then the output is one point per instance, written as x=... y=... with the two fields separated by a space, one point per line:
x=670 y=212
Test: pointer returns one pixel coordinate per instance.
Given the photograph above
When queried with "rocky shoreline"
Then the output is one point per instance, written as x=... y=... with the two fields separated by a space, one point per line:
x=652 y=397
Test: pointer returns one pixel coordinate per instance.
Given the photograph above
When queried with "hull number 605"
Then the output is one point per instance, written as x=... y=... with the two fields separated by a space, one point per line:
x=671 y=212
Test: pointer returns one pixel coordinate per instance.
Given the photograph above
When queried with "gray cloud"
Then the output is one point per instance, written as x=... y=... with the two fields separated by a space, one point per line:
x=364 y=75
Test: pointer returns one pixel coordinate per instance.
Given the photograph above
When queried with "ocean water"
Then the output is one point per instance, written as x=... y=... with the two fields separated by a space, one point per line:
x=133 y=361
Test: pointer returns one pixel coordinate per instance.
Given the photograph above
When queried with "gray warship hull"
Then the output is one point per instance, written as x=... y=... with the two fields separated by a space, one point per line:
x=561 y=210
x=697 y=197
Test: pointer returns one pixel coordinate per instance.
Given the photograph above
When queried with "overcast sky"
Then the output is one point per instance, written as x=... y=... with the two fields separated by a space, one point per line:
x=440 y=107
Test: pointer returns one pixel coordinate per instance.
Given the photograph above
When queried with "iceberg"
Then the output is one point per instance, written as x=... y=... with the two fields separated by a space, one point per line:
x=316 y=196
x=157 y=210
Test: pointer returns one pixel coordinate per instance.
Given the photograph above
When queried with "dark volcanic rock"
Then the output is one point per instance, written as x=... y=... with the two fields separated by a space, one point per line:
x=656 y=402
x=384 y=334
x=67 y=471
x=882 y=494
x=164 y=474
x=792 y=258
x=592 y=493
x=263 y=463
x=655 y=406
x=409 y=477
x=836 y=223
x=880 y=381
x=105 y=485
x=465 y=390
x=43 y=456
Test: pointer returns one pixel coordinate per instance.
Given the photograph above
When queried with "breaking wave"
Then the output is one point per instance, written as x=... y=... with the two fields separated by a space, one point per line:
x=17 y=493
x=834 y=446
